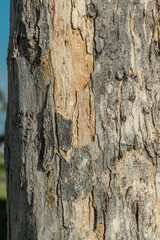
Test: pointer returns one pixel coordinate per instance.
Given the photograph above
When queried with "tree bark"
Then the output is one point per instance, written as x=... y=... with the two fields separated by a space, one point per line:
x=82 y=146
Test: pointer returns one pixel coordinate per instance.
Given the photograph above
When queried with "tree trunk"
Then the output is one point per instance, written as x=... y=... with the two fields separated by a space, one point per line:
x=82 y=146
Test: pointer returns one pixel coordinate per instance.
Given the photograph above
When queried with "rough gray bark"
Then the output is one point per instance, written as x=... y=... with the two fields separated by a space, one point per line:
x=82 y=146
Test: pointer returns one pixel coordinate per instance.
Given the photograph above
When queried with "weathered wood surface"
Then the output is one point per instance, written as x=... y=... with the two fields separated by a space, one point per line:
x=82 y=146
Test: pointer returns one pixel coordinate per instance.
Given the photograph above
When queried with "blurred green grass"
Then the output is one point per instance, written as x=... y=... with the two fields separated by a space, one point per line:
x=2 y=179
x=3 y=219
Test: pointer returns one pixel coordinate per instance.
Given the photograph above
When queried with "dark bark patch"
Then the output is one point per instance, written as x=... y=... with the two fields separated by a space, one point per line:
x=68 y=191
x=64 y=132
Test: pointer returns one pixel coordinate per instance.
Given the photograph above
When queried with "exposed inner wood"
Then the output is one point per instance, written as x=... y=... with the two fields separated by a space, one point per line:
x=72 y=61
x=85 y=220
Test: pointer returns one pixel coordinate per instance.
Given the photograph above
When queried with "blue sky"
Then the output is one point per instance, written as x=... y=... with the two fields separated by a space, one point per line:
x=4 y=37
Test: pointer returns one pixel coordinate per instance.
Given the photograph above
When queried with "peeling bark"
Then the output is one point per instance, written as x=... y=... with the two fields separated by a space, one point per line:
x=82 y=146
x=72 y=61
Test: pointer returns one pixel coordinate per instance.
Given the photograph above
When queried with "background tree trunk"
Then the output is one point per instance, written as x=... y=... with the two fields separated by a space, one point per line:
x=82 y=147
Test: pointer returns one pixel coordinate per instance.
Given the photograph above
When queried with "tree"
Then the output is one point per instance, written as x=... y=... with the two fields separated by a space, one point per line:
x=82 y=146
